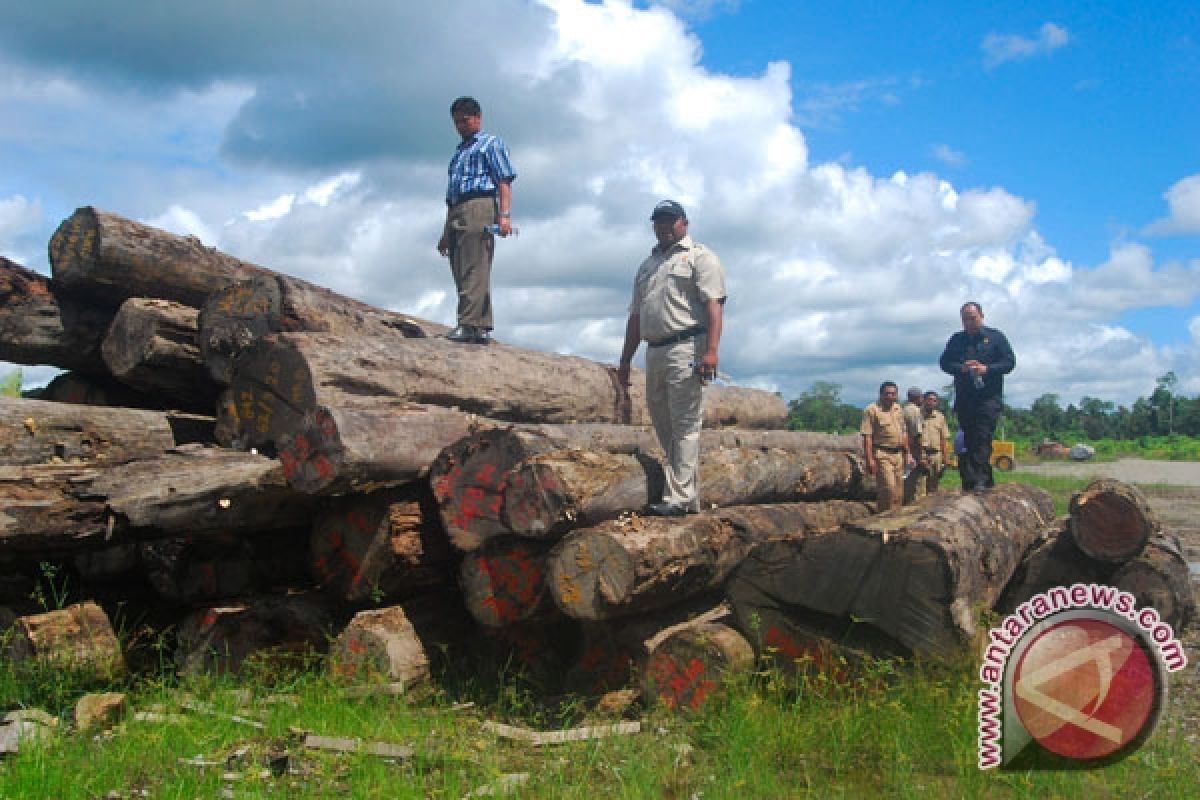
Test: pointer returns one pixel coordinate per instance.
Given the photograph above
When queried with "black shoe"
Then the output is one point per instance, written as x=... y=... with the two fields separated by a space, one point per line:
x=464 y=334
x=482 y=336
x=666 y=510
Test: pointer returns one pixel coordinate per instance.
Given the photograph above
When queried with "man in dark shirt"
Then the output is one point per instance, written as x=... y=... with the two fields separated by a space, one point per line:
x=978 y=357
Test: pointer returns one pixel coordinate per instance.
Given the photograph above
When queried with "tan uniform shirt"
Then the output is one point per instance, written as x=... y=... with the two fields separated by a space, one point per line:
x=914 y=423
x=935 y=432
x=886 y=428
x=672 y=289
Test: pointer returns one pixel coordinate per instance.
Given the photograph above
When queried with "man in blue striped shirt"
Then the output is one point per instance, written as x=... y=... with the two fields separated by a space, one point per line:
x=478 y=194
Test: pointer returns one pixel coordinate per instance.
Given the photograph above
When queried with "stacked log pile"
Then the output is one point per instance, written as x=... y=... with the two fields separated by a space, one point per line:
x=290 y=467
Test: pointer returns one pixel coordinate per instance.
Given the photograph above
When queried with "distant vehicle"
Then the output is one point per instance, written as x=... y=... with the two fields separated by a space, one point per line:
x=1004 y=455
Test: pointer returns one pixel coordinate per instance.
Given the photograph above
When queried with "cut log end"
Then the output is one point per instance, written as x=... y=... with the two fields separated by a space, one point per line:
x=75 y=244
x=687 y=668
x=313 y=455
x=236 y=317
x=1111 y=521
x=505 y=582
x=590 y=574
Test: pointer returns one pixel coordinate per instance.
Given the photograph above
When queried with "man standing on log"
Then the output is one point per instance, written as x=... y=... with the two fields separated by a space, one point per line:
x=885 y=446
x=978 y=357
x=932 y=457
x=678 y=306
x=913 y=424
x=478 y=196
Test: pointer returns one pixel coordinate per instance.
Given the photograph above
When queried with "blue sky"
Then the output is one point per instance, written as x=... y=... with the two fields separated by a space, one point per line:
x=861 y=169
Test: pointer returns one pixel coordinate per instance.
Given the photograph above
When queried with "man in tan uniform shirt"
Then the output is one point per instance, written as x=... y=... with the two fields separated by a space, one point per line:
x=677 y=308
x=934 y=436
x=913 y=425
x=885 y=446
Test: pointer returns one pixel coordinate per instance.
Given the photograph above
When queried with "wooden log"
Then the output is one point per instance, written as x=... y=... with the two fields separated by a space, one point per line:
x=37 y=327
x=408 y=643
x=612 y=655
x=278 y=629
x=96 y=390
x=190 y=490
x=687 y=669
x=917 y=575
x=1159 y=578
x=287 y=376
x=78 y=635
x=194 y=570
x=471 y=477
x=1053 y=559
x=38 y=431
x=109 y=258
x=549 y=494
x=638 y=564
x=152 y=346
x=1111 y=521
x=383 y=546
x=238 y=316
x=504 y=582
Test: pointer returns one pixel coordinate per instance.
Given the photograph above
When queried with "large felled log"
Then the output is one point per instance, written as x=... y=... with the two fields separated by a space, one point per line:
x=190 y=490
x=504 y=582
x=96 y=390
x=109 y=258
x=77 y=635
x=552 y=493
x=1053 y=559
x=287 y=376
x=472 y=476
x=686 y=669
x=37 y=327
x=635 y=565
x=386 y=545
x=191 y=570
x=37 y=431
x=286 y=629
x=403 y=643
x=917 y=575
x=236 y=317
x=151 y=346
x=1159 y=578
x=1111 y=521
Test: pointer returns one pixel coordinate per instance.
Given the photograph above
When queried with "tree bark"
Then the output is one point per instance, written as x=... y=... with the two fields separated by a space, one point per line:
x=237 y=317
x=288 y=375
x=38 y=431
x=110 y=259
x=635 y=565
x=383 y=546
x=687 y=668
x=284 y=629
x=550 y=494
x=1159 y=578
x=1053 y=559
x=917 y=575
x=188 y=491
x=151 y=346
x=471 y=477
x=504 y=582
x=1111 y=521
x=37 y=327
x=96 y=390
x=77 y=635
x=404 y=643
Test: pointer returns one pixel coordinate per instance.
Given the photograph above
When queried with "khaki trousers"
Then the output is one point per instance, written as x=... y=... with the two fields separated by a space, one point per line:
x=471 y=259
x=930 y=479
x=889 y=479
x=675 y=399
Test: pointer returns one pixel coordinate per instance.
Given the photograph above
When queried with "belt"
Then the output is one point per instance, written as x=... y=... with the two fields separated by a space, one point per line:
x=682 y=336
x=889 y=449
x=464 y=197
x=933 y=450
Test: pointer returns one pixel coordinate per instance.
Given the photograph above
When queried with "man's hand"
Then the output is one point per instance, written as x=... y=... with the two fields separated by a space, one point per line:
x=706 y=369
x=444 y=245
x=870 y=464
x=505 y=224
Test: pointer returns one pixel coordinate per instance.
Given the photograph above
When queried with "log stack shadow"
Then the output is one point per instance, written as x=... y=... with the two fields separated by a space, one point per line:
x=250 y=466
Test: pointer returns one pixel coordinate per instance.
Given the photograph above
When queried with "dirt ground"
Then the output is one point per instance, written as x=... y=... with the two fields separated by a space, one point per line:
x=1173 y=489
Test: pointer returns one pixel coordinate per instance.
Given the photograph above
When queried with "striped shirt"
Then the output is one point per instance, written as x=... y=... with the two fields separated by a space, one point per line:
x=478 y=165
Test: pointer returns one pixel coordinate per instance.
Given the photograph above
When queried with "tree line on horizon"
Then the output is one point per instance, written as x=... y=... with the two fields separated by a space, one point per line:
x=1163 y=413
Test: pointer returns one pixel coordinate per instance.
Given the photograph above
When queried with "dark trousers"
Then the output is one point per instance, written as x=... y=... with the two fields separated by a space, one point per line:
x=471 y=259
x=978 y=424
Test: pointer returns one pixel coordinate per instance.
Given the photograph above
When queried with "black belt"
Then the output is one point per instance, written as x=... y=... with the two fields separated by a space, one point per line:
x=933 y=450
x=682 y=336
x=462 y=198
x=889 y=449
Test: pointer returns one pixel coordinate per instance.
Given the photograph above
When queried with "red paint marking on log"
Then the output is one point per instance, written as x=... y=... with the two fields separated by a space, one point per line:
x=502 y=610
x=323 y=466
x=209 y=619
x=356 y=646
x=301 y=447
x=326 y=424
x=468 y=507
x=782 y=641
x=359 y=520
x=486 y=474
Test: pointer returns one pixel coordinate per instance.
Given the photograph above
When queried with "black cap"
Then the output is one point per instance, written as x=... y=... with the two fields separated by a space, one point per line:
x=668 y=208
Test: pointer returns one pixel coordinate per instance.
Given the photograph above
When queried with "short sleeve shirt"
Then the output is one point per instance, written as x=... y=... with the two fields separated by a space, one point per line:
x=672 y=289
x=886 y=428
x=914 y=422
x=936 y=431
